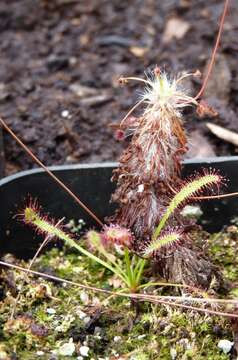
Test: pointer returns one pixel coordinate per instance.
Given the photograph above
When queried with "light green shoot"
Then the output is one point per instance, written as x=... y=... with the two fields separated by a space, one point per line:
x=130 y=271
x=44 y=226
x=189 y=190
x=165 y=240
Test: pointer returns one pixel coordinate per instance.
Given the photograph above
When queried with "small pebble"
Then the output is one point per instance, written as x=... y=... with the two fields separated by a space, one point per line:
x=40 y=353
x=192 y=211
x=84 y=350
x=86 y=319
x=225 y=345
x=81 y=314
x=173 y=353
x=84 y=297
x=117 y=338
x=67 y=349
x=65 y=113
x=97 y=330
x=50 y=311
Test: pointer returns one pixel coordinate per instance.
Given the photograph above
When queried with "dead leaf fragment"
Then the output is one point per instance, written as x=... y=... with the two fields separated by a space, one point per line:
x=96 y=100
x=84 y=39
x=224 y=134
x=76 y=21
x=175 y=28
x=203 y=109
x=83 y=91
x=115 y=282
x=138 y=51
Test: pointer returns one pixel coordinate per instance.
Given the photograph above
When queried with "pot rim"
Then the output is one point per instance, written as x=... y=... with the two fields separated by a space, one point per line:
x=20 y=174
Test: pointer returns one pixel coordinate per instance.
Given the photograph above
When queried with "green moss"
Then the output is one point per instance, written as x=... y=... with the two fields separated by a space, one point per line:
x=65 y=312
x=180 y=319
x=224 y=250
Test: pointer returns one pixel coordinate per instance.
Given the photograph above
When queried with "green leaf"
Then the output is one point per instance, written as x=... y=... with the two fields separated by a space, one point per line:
x=190 y=189
x=163 y=241
x=46 y=227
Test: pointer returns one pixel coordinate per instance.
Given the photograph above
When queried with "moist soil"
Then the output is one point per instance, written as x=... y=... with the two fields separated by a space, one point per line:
x=61 y=60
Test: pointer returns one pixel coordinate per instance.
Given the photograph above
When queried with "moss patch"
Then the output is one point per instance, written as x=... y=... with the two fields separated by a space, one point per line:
x=53 y=318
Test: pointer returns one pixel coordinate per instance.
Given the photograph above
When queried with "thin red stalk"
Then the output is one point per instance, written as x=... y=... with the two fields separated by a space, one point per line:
x=191 y=299
x=142 y=297
x=189 y=307
x=131 y=111
x=171 y=188
x=58 y=181
x=210 y=66
x=211 y=197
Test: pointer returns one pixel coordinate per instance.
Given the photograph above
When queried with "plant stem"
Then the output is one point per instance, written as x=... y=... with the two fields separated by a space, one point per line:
x=209 y=70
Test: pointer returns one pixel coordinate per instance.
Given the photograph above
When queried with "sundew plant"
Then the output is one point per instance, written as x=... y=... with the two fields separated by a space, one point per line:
x=150 y=194
x=148 y=227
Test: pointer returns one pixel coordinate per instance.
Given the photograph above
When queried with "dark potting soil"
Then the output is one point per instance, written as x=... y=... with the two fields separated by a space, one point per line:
x=60 y=61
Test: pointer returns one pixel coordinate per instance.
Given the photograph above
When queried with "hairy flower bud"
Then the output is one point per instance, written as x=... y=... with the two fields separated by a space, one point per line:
x=116 y=235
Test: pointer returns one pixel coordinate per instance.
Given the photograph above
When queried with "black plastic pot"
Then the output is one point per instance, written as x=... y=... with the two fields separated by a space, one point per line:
x=2 y=158
x=92 y=184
